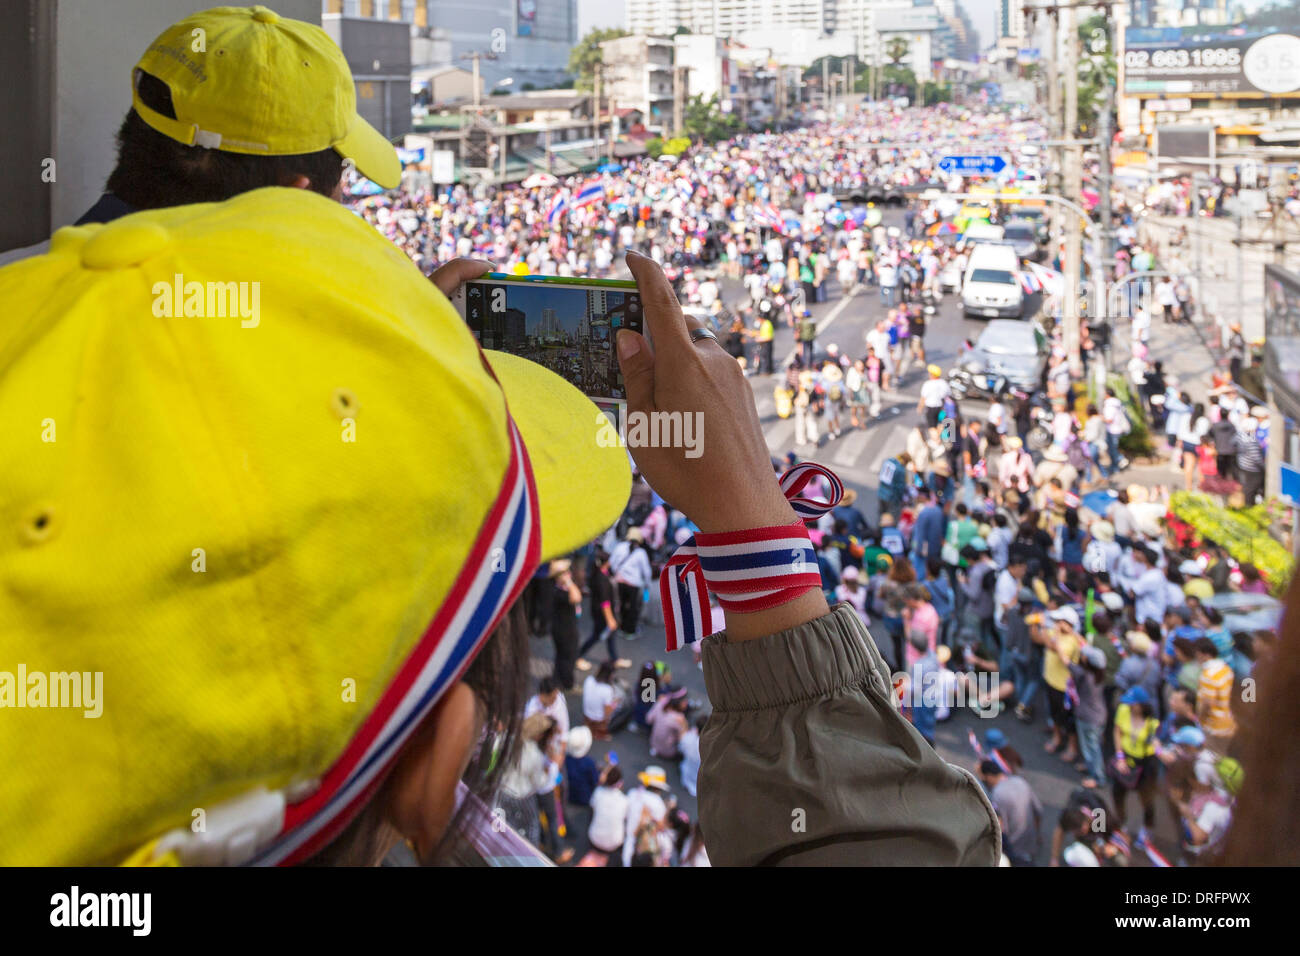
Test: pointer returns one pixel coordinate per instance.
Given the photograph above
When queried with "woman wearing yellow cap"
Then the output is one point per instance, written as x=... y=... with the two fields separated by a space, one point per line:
x=320 y=528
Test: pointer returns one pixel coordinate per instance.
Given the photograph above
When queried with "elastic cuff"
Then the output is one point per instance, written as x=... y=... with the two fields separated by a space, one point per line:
x=804 y=663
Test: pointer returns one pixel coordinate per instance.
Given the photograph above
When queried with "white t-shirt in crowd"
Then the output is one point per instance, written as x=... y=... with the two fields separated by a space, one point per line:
x=596 y=697
x=608 y=819
x=558 y=710
x=934 y=391
x=1004 y=592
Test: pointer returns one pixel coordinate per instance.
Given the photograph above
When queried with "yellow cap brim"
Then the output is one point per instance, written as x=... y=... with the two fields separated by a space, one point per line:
x=375 y=157
x=582 y=472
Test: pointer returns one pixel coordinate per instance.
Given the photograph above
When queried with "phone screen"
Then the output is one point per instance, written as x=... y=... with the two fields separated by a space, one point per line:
x=567 y=328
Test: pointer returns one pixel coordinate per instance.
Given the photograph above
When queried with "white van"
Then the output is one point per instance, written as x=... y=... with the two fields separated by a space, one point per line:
x=981 y=231
x=991 y=286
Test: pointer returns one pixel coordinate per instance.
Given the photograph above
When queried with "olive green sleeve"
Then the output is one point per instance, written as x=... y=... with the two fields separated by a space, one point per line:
x=806 y=760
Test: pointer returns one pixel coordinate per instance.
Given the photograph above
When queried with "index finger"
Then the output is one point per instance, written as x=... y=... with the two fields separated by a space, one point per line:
x=663 y=313
x=452 y=273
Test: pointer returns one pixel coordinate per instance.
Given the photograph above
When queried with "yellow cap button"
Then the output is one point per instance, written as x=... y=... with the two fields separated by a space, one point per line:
x=128 y=244
x=263 y=15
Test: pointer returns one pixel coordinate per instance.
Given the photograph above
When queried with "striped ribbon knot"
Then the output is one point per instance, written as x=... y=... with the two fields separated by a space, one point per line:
x=749 y=570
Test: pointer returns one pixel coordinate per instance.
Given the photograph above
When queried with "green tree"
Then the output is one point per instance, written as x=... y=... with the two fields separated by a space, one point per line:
x=898 y=81
x=703 y=120
x=584 y=57
x=932 y=93
x=1097 y=71
x=896 y=50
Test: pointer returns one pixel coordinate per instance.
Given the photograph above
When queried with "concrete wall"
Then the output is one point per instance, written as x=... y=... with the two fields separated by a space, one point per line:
x=97 y=44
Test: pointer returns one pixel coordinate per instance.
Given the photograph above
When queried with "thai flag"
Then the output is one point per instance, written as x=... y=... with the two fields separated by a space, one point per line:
x=998 y=759
x=1157 y=858
x=593 y=192
x=1051 y=281
x=1029 y=282
x=1119 y=840
x=558 y=206
x=975 y=744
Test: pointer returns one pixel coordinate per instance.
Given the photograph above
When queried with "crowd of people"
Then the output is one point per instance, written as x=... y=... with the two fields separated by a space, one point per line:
x=984 y=559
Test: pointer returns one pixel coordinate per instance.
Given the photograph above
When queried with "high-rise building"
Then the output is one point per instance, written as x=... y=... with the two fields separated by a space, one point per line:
x=811 y=28
x=528 y=40
x=1011 y=20
x=597 y=304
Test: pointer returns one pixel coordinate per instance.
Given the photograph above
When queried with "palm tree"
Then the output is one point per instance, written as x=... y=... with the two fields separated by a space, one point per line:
x=896 y=49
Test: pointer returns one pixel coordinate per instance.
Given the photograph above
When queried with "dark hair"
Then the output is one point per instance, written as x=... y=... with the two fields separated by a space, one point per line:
x=1101 y=622
x=1073 y=820
x=548 y=685
x=1204 y=645
x=933 y=567
x=1187 y=692
x=154 y=171
x=605 y=672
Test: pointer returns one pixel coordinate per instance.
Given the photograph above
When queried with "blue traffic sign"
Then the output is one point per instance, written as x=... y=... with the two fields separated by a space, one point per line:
x=1290 y=483
x=973 y=165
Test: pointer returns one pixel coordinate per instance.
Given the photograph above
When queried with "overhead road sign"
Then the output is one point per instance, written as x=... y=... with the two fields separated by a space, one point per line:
x=973 y=165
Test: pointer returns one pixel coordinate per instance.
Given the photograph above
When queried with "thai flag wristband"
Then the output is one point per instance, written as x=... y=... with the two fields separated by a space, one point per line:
x=747 y=571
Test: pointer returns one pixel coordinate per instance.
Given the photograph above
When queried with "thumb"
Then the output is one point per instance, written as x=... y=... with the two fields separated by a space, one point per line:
x=638 y=367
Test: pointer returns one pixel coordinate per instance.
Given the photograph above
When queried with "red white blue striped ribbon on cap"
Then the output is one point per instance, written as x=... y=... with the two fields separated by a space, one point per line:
x=749 y=570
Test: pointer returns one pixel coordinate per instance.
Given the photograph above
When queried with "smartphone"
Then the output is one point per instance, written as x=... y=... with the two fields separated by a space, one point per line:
x=566 y=325
x=612 y=757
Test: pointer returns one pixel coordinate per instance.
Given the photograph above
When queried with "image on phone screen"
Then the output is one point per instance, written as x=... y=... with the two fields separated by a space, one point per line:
x=568 y=329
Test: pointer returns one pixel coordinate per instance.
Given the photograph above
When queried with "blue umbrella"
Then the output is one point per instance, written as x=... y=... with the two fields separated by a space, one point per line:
x=610 y=168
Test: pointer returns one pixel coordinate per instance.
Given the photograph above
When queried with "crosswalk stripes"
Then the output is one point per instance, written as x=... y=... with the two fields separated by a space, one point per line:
x=851 y=447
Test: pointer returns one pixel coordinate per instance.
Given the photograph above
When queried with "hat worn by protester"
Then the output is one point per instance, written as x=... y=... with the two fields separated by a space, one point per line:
x=264 y=85
x=1136 y=695
x=1066 y=613
x=579 y=744
x=1189 y=736
x=1093 y=656
x=279 y=544
x=1139 y=642
x=653 y=778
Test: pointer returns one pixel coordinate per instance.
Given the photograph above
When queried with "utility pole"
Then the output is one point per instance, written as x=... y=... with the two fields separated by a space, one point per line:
x=1073 y=187
x=595 y=114
x=826 y=83
x=1105 y=135
x=677 y=98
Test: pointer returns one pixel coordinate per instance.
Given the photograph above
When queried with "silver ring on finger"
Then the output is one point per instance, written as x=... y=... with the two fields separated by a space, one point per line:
x=697 y=334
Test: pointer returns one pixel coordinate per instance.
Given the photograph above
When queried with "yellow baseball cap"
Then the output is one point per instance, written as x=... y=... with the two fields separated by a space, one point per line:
x=262 y=500
x=246 y=80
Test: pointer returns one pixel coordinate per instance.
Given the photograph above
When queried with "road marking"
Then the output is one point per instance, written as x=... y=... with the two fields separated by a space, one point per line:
x=851 y=447
x=779 y=435
x=824 y=323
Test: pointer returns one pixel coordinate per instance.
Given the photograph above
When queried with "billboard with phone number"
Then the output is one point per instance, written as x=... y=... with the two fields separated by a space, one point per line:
x=1256 y=54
